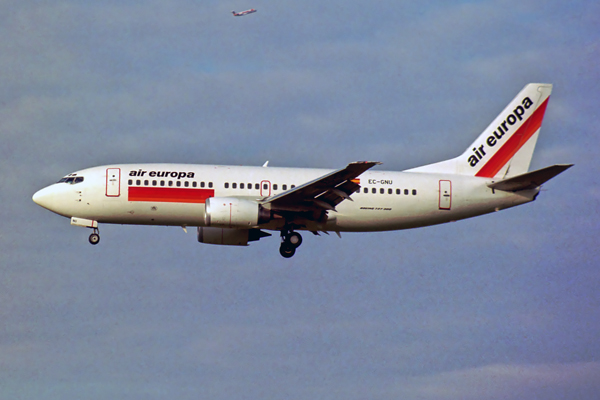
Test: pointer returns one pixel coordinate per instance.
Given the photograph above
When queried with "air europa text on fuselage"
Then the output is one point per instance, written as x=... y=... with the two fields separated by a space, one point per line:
x=517 y=115
x=163 y=174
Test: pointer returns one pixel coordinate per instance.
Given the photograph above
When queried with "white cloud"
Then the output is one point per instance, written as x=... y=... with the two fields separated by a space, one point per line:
x=507 y=381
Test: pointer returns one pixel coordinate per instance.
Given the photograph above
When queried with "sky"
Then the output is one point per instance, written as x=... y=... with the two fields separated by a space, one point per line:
x=503 y=306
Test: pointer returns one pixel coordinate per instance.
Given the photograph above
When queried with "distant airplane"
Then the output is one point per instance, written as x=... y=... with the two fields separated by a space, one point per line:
x=242 y=13
x=234 y=205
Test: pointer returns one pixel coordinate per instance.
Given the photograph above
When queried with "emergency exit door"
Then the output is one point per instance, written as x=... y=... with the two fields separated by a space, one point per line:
x=113 y=182
x=265 y=188
x=445 y=195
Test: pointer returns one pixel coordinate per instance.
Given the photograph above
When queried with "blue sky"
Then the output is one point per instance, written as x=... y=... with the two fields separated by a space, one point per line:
x=503 y=306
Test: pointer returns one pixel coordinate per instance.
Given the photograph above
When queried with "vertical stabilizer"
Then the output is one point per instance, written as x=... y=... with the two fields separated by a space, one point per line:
x=506 y=146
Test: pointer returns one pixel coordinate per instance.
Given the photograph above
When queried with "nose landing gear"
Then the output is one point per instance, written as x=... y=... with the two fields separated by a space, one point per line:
x=95 y=237
x=290 y=241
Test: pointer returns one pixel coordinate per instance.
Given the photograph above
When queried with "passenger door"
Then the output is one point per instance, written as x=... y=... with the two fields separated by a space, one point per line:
x=445 y=202
x=113 y=182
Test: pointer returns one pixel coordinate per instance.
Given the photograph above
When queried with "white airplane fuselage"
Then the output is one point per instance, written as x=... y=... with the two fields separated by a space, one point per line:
x=234 y=205
x=386 y=200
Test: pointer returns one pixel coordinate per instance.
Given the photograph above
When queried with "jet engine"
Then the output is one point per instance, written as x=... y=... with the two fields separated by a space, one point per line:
x=232 y=212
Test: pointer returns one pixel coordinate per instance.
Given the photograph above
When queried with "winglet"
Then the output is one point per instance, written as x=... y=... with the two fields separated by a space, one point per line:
x=266 y=164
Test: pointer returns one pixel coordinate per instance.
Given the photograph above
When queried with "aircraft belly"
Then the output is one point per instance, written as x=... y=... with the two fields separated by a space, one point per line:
x=382 y=216
x=151 y=213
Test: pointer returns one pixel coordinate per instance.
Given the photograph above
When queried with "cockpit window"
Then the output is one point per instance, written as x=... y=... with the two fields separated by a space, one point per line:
x=72 y=180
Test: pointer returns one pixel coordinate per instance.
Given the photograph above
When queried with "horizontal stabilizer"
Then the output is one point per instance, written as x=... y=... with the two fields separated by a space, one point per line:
x=529 y=180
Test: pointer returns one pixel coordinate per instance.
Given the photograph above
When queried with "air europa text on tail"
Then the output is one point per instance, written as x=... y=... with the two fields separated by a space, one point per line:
x=517 y=115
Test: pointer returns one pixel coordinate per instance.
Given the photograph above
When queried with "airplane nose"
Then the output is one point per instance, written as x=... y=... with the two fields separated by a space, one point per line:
x=43 y=197
x=58 y=198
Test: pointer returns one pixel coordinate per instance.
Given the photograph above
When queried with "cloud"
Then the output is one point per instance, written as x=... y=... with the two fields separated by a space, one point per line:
x=507 y=381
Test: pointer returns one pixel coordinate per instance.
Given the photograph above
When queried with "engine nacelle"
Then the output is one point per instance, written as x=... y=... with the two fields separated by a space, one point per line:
x=226 y=236
x=232 y=212
x=229 y=236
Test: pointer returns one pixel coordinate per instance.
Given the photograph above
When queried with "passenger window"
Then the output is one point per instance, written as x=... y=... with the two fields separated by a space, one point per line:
x=366 y=190
x=389 y=191
x=138 y=182
x=406 y=191
x=414 y=192
x=162 y=183
x=284 y=187
x=146 y=182
x=170 y=183
x=398 y=191
x=373 y=190
x=186 y=184
x=382 y=190
x=226 y=185
x=256 y=186
x=293 y=186
x=210 y=184
x=130 y=182
x=275 y=187
x=241 y=185
x=249 y=186
x=234 y=185
x=178 y=183
x=265 y=186
x=194 y=184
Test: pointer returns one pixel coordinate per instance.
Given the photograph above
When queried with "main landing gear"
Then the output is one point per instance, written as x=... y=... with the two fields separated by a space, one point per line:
x=290 y=241
x=95 y=237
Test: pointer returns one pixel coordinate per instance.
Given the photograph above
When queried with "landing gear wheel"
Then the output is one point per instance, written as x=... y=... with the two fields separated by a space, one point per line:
x=290 y=241
x=94 y=238
x=286 y=250
x=294 y=239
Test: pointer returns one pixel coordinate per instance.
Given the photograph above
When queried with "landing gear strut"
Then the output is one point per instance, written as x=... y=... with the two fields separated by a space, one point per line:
x=290 y=241
x=95 y=237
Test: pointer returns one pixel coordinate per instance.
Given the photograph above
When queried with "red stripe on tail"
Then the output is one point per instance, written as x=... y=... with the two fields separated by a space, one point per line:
x=514 y=143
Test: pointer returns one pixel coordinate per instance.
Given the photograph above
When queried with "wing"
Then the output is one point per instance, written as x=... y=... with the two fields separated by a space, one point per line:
x=323 y=193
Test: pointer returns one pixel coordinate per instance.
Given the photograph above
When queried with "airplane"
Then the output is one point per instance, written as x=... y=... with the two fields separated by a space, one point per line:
x=242 y=13
x=236 y=205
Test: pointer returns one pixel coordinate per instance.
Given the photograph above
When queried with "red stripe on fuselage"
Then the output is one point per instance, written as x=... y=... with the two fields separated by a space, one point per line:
x=514 y=143
x=169 y=195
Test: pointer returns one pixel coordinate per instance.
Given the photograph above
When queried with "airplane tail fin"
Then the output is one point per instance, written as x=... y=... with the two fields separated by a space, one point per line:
x=505 y=148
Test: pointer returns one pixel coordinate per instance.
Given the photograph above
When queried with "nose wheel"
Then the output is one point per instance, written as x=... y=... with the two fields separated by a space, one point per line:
x=95 y=237
x=290 y=241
